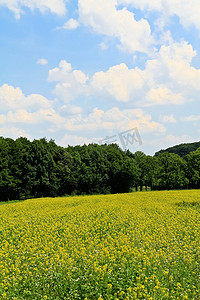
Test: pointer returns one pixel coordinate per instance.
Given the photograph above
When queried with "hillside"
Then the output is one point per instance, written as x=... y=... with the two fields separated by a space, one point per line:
x=181 y=149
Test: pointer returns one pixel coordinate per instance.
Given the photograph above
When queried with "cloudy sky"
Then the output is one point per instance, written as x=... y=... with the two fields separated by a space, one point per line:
x=86 y=71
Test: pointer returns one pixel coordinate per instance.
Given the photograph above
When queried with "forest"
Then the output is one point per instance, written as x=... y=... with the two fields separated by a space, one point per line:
x=41 y=168
x=181 y=149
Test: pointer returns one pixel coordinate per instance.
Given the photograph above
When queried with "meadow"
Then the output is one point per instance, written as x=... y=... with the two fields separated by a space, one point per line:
x=143 y=245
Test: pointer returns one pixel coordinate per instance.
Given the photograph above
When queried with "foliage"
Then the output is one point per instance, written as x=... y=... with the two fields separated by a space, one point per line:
x=171 y=171
x=193 y=169
x=42 y=169
x=182 y=149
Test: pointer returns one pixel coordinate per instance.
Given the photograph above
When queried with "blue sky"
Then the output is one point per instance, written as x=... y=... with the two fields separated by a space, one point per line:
x=82 y=71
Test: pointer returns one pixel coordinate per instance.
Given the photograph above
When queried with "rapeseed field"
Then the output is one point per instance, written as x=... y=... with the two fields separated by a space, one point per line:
x=143 y=245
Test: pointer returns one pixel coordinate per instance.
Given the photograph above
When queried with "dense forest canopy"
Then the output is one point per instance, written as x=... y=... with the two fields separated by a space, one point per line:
x=181 y=149
x=41 y=168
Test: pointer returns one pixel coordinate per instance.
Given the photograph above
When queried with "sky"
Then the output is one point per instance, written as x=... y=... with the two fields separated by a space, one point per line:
x=101 y=71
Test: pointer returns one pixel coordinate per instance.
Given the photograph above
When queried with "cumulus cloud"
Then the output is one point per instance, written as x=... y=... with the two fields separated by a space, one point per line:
x=167 y=140
x=42 y=61
x=187 y=11
x=57 y=7
x=163 y=96
x=168 y=78
x=73 y=140
x=103 y=46
x=40 y=116
x=119 y=81
x=72 y=83
x=102 y=125
x=13 y=132
x=167 y=119
x=104 y=18
x=34 y=109
x=12 y=98
x=71 y=24
x=113 y=119
x=192 y=118
x=35 y=112
x=69 y=109
x=2 y=119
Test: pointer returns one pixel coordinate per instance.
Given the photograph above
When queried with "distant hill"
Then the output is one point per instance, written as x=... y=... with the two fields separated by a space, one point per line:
x=181 y=149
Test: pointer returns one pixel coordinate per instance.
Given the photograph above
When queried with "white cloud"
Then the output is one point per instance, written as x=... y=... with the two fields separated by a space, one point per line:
x=40 y=116
x=119 y=81
x=168 y=140
x=20 y=110
x=113 y=119
x=35 y=113
x=162 y=69
x=42 y=61
x=73 y=140
x=20 y=116
x=163 y=96
x=167 y=119
x=72 y=83
x=12 y=98
x=103 y=46
x=101 y=124
x=106 y=19
x=187 y=11
x=13 y=132
x=192 y=118
x=71 y=24
x=69 y=109
x=144 y=4
x=168 y=78
x=57 y=7
x=2 y=119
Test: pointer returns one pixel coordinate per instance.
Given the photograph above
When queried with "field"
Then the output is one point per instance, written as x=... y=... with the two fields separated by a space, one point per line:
x=143 y=245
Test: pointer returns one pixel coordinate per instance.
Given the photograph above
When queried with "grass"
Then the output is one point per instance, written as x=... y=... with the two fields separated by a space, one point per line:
x=125 y=246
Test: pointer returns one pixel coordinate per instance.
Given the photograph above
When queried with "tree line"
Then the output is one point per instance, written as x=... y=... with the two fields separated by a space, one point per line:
x=181 y=149
x=43 y=169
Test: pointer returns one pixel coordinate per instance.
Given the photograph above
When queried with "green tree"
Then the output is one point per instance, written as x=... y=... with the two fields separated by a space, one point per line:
x=41 y=159
x=193 y=168
x=171 y=171
x=140 y=159
x=6 y=179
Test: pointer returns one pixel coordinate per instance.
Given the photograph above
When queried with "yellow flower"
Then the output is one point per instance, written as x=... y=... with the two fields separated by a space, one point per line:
x=178 y=285
x=97 y=238
x=166 y=273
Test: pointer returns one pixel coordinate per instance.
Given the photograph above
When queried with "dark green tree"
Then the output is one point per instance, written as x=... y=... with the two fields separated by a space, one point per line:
x=193 y=168
x=171 y=171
